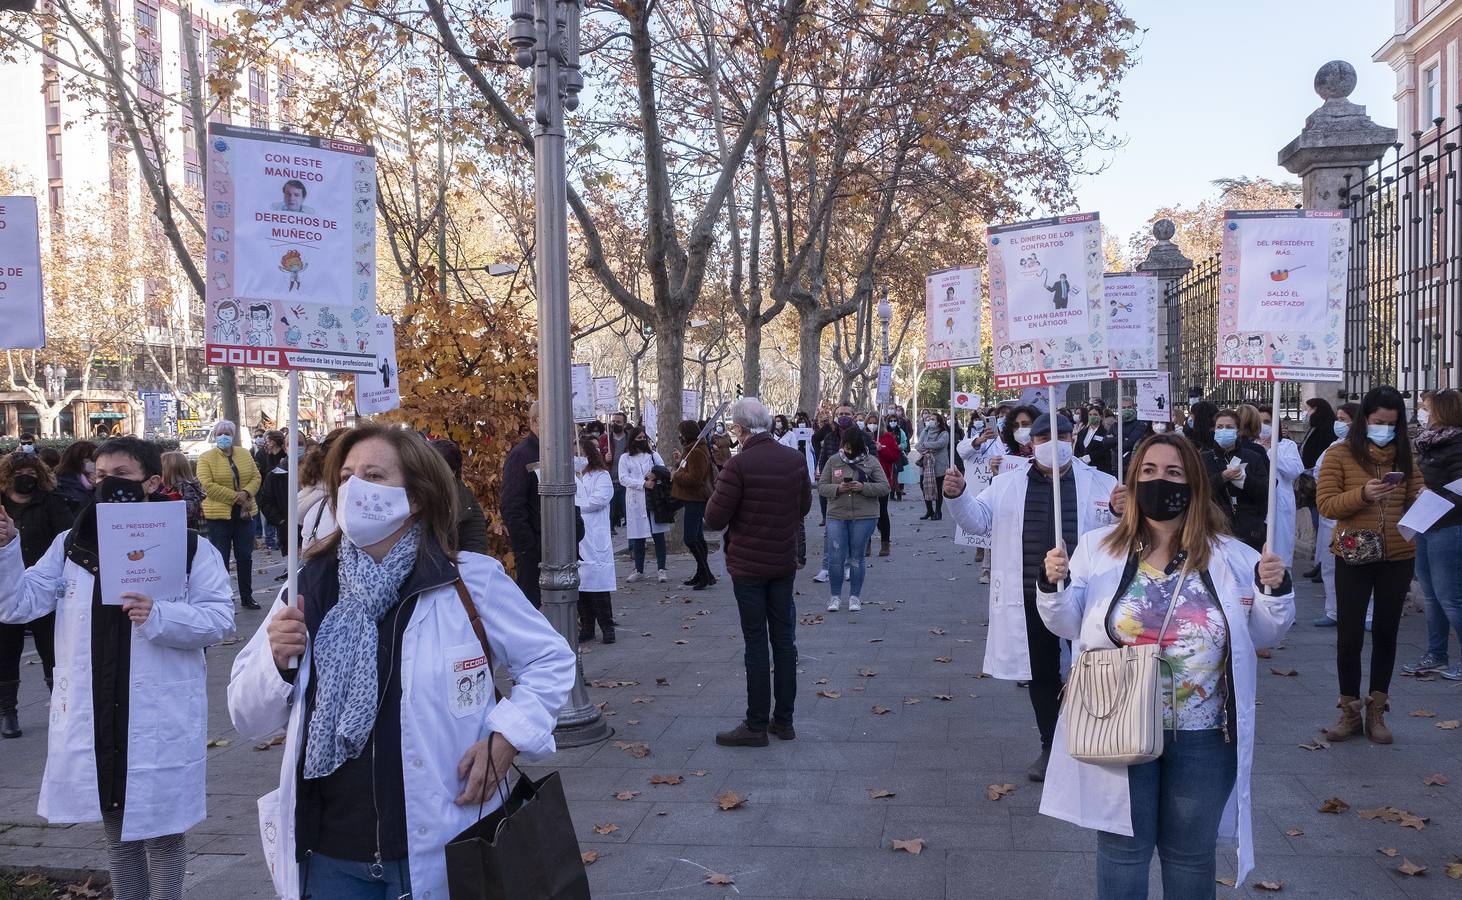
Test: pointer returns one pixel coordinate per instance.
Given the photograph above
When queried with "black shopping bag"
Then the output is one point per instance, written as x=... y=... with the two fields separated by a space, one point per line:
x=524 y=850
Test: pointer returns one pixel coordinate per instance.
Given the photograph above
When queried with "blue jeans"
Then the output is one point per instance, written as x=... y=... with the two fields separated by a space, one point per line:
x=637 y=550
x=1439 y=569
x=327 y=878
x=768 y=612
x=236 y=535
x=269 y=533
x=846 y=541
x=1177 y=805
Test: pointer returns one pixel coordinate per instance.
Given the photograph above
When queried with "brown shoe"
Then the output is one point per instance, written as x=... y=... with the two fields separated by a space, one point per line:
x=1376 y=707
x=785 y=732
x=883 y=549
x=1349 y=724
x=743 y=735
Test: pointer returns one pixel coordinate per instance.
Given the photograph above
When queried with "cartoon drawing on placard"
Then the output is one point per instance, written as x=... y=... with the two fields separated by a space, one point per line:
x=261 y=324
x=226 y=324
x=292 y=264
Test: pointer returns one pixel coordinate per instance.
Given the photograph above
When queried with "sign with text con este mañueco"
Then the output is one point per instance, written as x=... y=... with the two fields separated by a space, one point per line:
x=1047 y=306
x=291 y=251
x=1281 y=310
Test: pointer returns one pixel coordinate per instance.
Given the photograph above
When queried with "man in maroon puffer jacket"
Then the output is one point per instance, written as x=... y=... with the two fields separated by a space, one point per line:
x=760 y=499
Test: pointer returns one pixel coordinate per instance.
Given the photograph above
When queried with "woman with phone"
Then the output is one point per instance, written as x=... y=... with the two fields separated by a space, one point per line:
x=1366 y=486
x=852 y=481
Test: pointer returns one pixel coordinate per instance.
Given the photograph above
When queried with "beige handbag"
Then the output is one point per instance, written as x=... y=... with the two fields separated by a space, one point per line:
x=1113 y=705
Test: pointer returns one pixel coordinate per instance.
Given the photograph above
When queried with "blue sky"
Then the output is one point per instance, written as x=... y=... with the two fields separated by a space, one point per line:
x=1220 y=87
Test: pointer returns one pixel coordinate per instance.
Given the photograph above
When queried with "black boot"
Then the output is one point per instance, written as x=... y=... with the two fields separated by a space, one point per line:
x=604 y=612
x=9 y=721
x=928 y=511
x=586 y=619
x=703 y=577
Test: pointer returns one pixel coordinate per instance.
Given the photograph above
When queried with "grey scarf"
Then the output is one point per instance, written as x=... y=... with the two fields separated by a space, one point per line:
x=345 y=649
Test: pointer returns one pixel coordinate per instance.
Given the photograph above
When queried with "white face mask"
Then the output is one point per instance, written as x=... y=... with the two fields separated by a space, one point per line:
x=370 y=513
x=580 y=463
x=1022 y=436
x=1062 y=452
x=1265 y=431
x=1423 y=418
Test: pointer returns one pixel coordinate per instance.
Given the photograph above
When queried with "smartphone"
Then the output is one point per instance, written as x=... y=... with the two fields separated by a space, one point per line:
x=1393 y=478
x=847 y=480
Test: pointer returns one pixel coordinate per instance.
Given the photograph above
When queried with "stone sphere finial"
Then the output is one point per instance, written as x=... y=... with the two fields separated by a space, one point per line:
x=1335 y=80
x=1164 y=229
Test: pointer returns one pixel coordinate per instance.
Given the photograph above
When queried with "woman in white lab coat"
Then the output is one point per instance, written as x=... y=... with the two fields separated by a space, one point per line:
x=593 y=490
x=159 y=680
x=1345 y=416
x=634 y=474
x=380 y=682
x=1169 y=547
x=1289 y=467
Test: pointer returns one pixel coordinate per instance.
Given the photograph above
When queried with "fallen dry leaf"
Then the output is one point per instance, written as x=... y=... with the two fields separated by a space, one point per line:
x=1292 y=832
x=945 y=697
x=820 y=681
x=588 y=857
x=910 y=701
x=219 y=742
x=936 y=631
x=1288 y=673
x=867 y=673
x=875 y=640
x=626 y=795
x=666 y=779
x=637 y=749
x=680 y=641
x=1454 y=871
x=879 y=794
x=881 y=710
x=699 y=773
x=1422 y=714
x=1225 y=881
x=1316 y=744
x=831 y=695
x=1269 y=885
x=631 y=721
x=1436 y=780
x=719 y=878
x=1408 y=867
x=1396 y=816
x=604 y=683
x=272 y=742
x=1450 y=724
x=1334 y=806
x=996 y=791
x=730 y=800
x=82 y=890
x=643 y=700
x=608 y=828
x=812 y=620
x=662 y=681
x=1388 y=851
x=944 y=659
x=913 y=845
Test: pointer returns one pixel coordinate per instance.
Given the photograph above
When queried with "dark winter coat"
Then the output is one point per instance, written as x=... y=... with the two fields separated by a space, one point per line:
x=760 y=499
x=1440 y=461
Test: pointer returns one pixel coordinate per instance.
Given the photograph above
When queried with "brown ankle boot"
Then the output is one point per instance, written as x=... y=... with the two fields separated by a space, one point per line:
x=883 y=549
x=1350 y=723
x=1376 y=707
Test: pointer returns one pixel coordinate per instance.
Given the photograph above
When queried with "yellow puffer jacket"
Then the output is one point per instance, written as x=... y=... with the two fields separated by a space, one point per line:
x=217 y=479
x=1338 y=496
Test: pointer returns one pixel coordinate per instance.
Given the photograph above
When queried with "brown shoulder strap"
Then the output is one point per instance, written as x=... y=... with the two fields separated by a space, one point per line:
x=471 y=609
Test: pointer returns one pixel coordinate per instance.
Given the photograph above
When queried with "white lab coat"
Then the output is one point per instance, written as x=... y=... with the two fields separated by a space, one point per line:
x=1288 y=467
x=978 y=455
x=1095 y=796
x=1007 y=654
x=790 y=440
x=592 y=493
x=167 y=715
x=434 y=731
x=633 y=470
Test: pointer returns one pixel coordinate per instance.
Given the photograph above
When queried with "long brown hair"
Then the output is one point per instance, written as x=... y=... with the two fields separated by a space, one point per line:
x=589 y=447
x=429 y=484
x=1446 y=409
x=13 y=464
x=1203 y=523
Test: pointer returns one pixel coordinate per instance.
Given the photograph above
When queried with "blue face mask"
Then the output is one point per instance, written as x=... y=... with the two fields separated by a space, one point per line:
x=1341 y=430
x=224 y=442
x=1226 y=437
x=1381 y=435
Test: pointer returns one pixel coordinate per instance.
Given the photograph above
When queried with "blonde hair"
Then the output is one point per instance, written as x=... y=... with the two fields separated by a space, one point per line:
x=1250 y=421
x=176 y=468
x=1203 y=523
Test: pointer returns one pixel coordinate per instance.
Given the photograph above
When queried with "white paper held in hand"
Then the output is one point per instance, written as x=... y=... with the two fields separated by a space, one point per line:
x=1428 y=508
x=143 y=549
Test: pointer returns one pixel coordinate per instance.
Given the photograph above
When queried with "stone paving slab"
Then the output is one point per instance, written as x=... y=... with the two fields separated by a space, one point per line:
x=809 y=827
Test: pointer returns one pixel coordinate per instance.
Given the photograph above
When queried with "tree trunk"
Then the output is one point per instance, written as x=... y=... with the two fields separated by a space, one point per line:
x=670 y=376
x=809 y=355
x=751 y=359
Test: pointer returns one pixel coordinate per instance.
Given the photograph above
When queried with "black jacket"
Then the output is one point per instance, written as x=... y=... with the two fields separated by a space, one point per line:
x=518 y=502
x=71 y=490
x=273 y=498
x=471 y=521
x=1095 y=443
x=1246 y=508
x=1440 y=462
x=39 y=522
x=1133 y=433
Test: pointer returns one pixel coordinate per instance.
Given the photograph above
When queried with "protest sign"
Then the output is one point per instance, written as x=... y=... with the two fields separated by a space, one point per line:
x=581 y=383
x=1042 y=397
x=885 y=384
x=690 y=404
x=952 y=318
x=651 y=418
x=1132 y=305
x=977 y=478
x=1282 y=295
x=143 y=549
x=291 y=244
x=22 y=307
x=1046 y=301
x=380 y=391
x=963 y=400
x=1153 y=401
x=606 y=395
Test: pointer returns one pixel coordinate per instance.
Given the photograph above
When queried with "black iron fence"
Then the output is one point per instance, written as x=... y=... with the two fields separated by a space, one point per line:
x=1403 y=318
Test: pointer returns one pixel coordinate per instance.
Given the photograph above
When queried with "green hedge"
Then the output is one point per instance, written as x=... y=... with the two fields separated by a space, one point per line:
x=8 y=444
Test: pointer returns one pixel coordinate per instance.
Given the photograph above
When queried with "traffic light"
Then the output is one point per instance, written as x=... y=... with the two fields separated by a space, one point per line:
x=646 y=328
x=738 y=392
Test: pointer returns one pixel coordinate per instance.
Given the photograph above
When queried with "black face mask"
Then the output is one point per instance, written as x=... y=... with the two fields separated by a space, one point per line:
x=112 y=489
x=1161 y=500
x=26 y=484
x=618 y=429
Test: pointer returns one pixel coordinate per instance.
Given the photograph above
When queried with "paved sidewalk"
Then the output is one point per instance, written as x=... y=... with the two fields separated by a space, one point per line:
x=810 y=826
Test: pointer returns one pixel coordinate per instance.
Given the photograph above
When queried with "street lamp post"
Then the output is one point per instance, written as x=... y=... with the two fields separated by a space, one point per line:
x=885 y=316
x=545 y=38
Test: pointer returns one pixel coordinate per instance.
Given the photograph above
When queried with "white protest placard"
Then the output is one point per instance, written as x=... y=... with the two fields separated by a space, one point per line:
x=606 y=395
x=952 y=318
x=963 y=400
x=582 y=384
x=885 y=384
x=22 y=307
x=380 y=391
x=291 y=244
x=977 y=478
x=1282 y=295
x=1132 y=305
x=143 y=549
x=1042 y=398
x=651 y=417
x=802 y=435
x=1047 y=305
x=690 y=404
x=1423 y=514
x=1153 y=401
